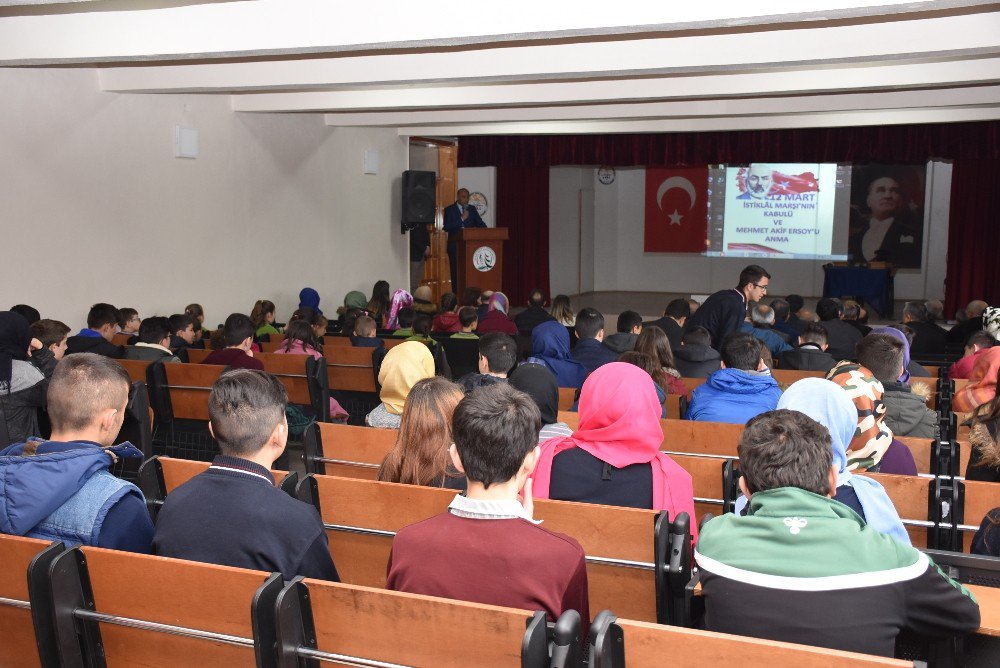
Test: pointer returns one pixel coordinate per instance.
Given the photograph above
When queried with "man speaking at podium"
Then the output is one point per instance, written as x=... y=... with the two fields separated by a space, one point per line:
x=457 y=217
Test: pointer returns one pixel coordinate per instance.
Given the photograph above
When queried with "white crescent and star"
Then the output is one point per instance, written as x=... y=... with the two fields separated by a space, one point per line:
x=671 y=183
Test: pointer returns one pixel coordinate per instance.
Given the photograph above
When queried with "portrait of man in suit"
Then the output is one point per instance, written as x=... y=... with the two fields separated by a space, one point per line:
x=887 y=215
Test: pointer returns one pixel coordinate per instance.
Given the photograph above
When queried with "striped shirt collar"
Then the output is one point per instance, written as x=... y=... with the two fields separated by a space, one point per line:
x=241 y=466
x=481 y=509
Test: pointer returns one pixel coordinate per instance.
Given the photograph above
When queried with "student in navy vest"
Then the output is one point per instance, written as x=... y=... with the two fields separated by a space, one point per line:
x=61 y=489
x=232 y=514
x=457 y=217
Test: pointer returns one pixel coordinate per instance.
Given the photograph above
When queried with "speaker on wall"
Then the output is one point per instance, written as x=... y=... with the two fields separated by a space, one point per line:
x=418 y=198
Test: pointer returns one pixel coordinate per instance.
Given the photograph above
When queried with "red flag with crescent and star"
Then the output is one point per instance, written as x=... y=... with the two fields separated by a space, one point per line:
x=676 y=210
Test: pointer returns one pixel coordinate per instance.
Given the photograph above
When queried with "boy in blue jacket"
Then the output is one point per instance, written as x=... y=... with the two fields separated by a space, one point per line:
x=742 y=389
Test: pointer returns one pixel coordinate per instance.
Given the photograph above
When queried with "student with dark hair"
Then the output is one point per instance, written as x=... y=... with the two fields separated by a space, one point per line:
x=182 y=331
x=906 y=413
x=154 y=342
x=803 y=568
x=648 y=364
x=672 y=322
x=696 y=358
x=590 y=350
x=654 y=342
x=911 y=368
x=29 y=313
x=130 y=321
x=851 y=313
x=60 y=488
x=468 y=318
x=363 y=335
x=782 y=327
x=379 y=304
x=487 y=548
x=470 y=296
x=628 y=327
x=26 y=364
x=741 y=389
x=724 y=312
x=810 y=354
x=420 y=454
x=52 y=334
x=550 y=348
x=929 y=339
x=262 y=317
x=232 y=514
x=404 y=318
x=447 y=319
x=96 y=337
x=562 y=311
x=540 y=384
x=534 y=315
x=237 y=337
x=841 y=338
x=796 y=311
x=421 y=328
x=497 y=357
x=975 y=347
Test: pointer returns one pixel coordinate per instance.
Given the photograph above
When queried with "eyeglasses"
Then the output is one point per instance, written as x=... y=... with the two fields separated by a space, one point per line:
x=762 y=287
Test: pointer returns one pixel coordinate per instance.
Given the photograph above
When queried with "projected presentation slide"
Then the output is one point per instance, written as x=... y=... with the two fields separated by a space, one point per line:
x=783 y=210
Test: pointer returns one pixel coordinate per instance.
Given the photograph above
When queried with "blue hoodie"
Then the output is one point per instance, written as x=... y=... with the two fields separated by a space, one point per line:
x=65 y=492
x=733 y=396
x=550 y=348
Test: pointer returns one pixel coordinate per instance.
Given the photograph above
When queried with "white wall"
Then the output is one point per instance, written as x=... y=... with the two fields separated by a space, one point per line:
x=620 y=264
x=94 y=206
x=481 y=180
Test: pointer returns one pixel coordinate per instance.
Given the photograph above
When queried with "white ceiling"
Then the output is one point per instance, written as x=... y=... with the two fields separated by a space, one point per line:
x=458 y=68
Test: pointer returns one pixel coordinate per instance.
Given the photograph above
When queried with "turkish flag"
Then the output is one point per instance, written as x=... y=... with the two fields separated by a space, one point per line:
x=676 y=210
x=788 y=184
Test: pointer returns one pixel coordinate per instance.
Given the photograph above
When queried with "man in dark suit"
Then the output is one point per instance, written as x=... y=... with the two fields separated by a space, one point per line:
x=889 y=231
x=929 y=339
x=840 y=336
x=810 y=354
x=672 y=322
x=960 y=333
x=457 y=217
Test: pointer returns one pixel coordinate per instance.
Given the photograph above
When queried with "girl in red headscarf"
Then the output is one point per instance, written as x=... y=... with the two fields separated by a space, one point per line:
x=614 y=457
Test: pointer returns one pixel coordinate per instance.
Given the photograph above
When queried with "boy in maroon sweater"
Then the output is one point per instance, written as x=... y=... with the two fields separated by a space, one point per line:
x=237 y=334
x=487 y=548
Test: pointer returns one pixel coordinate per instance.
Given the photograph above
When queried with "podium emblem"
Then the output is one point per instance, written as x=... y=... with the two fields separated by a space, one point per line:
x=484 y=259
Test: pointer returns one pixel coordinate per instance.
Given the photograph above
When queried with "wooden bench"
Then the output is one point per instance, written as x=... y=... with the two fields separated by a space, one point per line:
x=350 y=369
x=18 y=647
x=179 y=397
x=305 y=379
x=121 y=339
x=567 y=397
x=346 y=450
x=911 y=497
x=789 y=376
x=197 y=356
x=675 y=404
x=978 y=499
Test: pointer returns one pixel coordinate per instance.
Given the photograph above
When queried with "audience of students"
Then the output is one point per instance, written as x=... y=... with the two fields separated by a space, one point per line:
x=540 y=384
x=60 y=488
x=468 y=319
x=906 y=413
x=810 y=353
x=977 y=344
x=182 y=332
x=130 y=321
x=654 y=342
x=929 y=339
x=984 y=436
x=741 y=389
x=380 y=303
x=534 y=315
x=672 y=322
x=723 y=312
x=363 y=335
x=550 y=348
x=496 y=318
x=97 y=336
x=873 y=447
x=404 y=365
x=404 y=322
x=759 y=327
x=982 y=386
x=841 y=338
x=613 y=457
x=447 y=319
x=420 y=454
x=401 y=299
x=497 y=356
x=237 y=337
x=421 y=329
x=696 y=358
x=590 y=350
x=562 y=311
x=626 y=332
x=52 y=334
x=262 y=317
x=154 y=342
x=792 y=570
x=423 y=300
x=26 y=365
x=232 y=514
x=828 y=404
x=487 y=548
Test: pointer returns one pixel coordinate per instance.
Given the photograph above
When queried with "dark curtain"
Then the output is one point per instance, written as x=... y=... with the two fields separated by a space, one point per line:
x=523 y=207
x=890 y=144
x=973 y=234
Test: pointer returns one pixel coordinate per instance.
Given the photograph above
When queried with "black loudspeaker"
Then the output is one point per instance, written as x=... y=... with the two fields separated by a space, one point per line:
x=418 y=198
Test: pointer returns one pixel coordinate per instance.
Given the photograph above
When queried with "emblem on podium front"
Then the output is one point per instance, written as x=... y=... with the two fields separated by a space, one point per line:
x=484 y=259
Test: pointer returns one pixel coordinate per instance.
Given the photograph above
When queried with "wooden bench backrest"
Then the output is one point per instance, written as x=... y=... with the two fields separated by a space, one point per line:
x=414 y=630
x=709 y=438
x=693 y=382
x=176 y=592
x=18 y=645
x=360 y=450
x=921 y=449
x=706 y=474
x=196 y=355
x=121 y=339
x=603 y=531
x=933 y=370
x=672 y=403
x=789 y=376
x=176 y=472
x=136 y=369
x=651 y=644
x=190 y=385
x=980 y=499
x=291 y=371
x=336 y=341
x=350 y=368
x=567 y=395
x=960 y=383
x=272 y=345
x=909 y=495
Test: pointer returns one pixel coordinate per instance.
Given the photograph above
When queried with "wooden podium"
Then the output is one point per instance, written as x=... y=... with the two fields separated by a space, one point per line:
x=480 y=258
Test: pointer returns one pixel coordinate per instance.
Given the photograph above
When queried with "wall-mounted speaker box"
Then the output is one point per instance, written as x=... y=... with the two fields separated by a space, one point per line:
x=418 y=198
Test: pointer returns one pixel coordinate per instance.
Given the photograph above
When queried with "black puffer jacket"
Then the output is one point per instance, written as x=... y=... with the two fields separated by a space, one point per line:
x=20 y=402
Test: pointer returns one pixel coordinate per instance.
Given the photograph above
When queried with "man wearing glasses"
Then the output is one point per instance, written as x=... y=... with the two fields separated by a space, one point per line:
x=724 y=312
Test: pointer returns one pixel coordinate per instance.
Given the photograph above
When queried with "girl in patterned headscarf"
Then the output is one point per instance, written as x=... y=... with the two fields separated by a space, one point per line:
x=873 y=446
x=400 y=299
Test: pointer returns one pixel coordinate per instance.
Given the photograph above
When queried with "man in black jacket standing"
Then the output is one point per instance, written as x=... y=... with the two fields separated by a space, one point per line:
x=724 y=312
